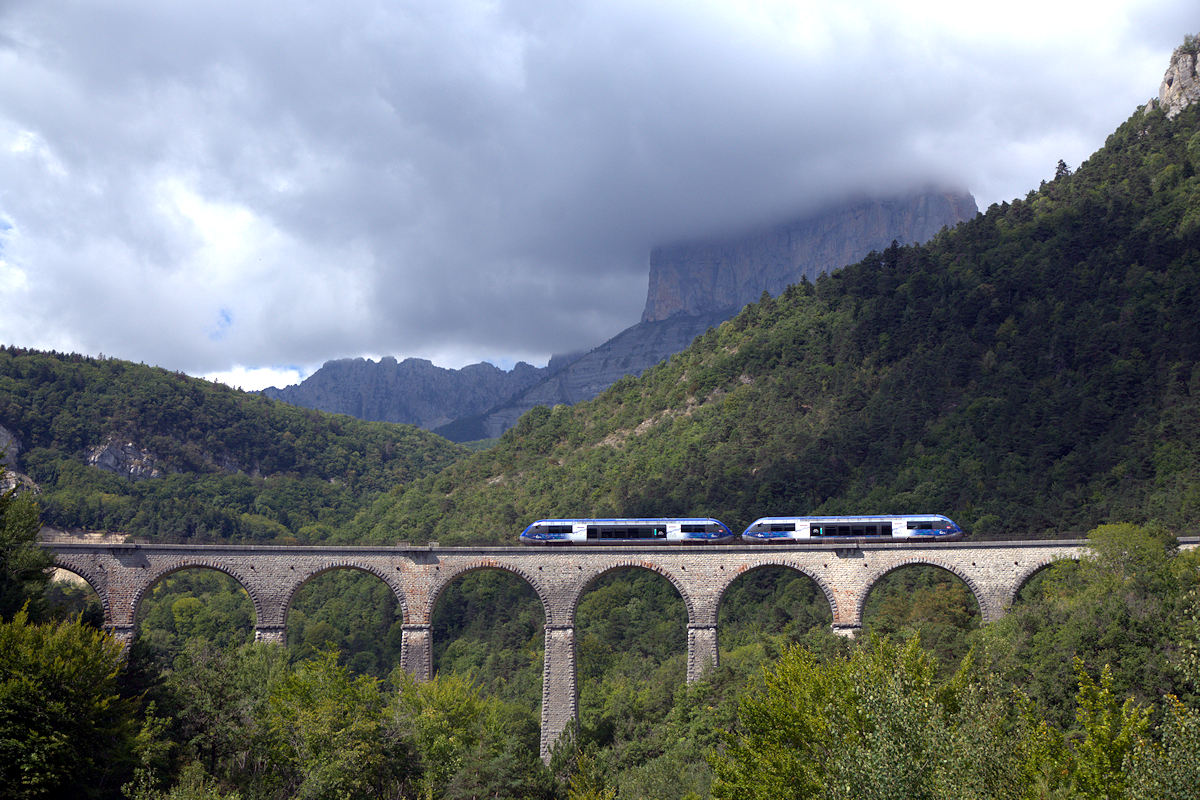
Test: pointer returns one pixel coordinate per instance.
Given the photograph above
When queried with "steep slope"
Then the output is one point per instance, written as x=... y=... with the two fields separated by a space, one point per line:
x=124 y=447
x=1035 y=370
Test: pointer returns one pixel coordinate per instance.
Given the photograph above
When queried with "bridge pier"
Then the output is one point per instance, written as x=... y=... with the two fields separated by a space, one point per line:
x=416 y=650
x=702 y=649
x=560 y=688
x=124 y=634
x=276 y=634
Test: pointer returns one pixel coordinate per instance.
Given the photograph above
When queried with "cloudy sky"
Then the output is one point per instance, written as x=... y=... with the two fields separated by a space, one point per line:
x=246 y=189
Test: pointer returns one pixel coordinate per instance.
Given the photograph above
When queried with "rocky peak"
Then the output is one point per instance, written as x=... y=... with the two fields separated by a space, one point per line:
x=1181 y=83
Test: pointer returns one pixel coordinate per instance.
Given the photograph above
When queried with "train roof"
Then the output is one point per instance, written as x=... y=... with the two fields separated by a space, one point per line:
x=854 y=518
x=638 y=520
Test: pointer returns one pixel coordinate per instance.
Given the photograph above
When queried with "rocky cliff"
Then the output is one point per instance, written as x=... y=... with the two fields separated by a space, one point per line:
x=412 y=391
x=698 y=285
x=1181 y=83
x=706 y=276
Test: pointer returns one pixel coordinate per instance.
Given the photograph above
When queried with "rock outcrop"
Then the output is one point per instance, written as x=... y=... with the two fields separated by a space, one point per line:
x=413 y=391
x=124 y=458
x=714 y=275
x=10 y=448
x=1181 y=83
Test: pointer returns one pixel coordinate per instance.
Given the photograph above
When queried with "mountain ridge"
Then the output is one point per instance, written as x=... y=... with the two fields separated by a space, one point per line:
x=413 y=391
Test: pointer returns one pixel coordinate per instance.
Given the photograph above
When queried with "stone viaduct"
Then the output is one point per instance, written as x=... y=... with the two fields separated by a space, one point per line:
x=121 y=574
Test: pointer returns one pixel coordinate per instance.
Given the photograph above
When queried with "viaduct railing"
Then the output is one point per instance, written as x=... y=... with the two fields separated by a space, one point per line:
x=121 y=574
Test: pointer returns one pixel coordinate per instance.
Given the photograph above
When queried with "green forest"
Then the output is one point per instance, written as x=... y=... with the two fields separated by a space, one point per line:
x=231 y=466
x=1032 y=373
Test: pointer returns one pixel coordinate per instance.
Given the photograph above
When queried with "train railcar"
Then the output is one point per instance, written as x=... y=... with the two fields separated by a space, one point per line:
x=617 y=531
x=848 y=529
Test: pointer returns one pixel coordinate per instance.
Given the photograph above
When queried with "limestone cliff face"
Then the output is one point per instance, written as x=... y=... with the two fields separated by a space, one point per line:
x=707 y=276
x=413 y=391
x=1181 y=83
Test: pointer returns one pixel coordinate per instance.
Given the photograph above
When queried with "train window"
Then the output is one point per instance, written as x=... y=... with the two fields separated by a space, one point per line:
x=779 y=527
x=623 y=532
x=921 y=524
x=558 y=529
x=693 y=528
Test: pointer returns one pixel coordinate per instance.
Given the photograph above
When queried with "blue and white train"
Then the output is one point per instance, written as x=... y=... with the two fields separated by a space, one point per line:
x=618 y=531
x=845 y=529
x=765 y=530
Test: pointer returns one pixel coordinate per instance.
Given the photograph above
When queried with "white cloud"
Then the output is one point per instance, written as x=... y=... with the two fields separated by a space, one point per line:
x=253 y=379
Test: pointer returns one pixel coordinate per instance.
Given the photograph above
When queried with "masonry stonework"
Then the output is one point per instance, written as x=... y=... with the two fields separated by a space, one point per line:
x=121 y=574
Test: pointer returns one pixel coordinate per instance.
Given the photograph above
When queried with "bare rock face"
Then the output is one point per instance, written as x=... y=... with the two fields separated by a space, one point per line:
x=1181 y=83
x=707 y=276
x=10 y=447
x=124 y=458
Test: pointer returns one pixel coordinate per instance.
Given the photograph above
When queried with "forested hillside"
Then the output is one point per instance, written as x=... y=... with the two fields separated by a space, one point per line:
x=1033 y=372
x=181 y=458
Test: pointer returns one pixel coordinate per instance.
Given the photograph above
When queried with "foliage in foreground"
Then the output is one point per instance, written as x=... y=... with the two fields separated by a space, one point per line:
x=65 y=730
x=23 y=564
x=875 y=724
x=246 y=720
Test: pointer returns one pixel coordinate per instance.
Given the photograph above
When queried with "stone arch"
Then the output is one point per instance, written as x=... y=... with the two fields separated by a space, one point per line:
x=878 y=575
x=93 y=580
x=256 y=602
x=1027 y=575
x=803 y=569
x=305 y=577
x=581 y=589
x=448 y=577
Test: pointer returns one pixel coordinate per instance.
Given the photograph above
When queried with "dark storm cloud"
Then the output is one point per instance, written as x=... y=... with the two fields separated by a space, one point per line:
x=201 y=185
